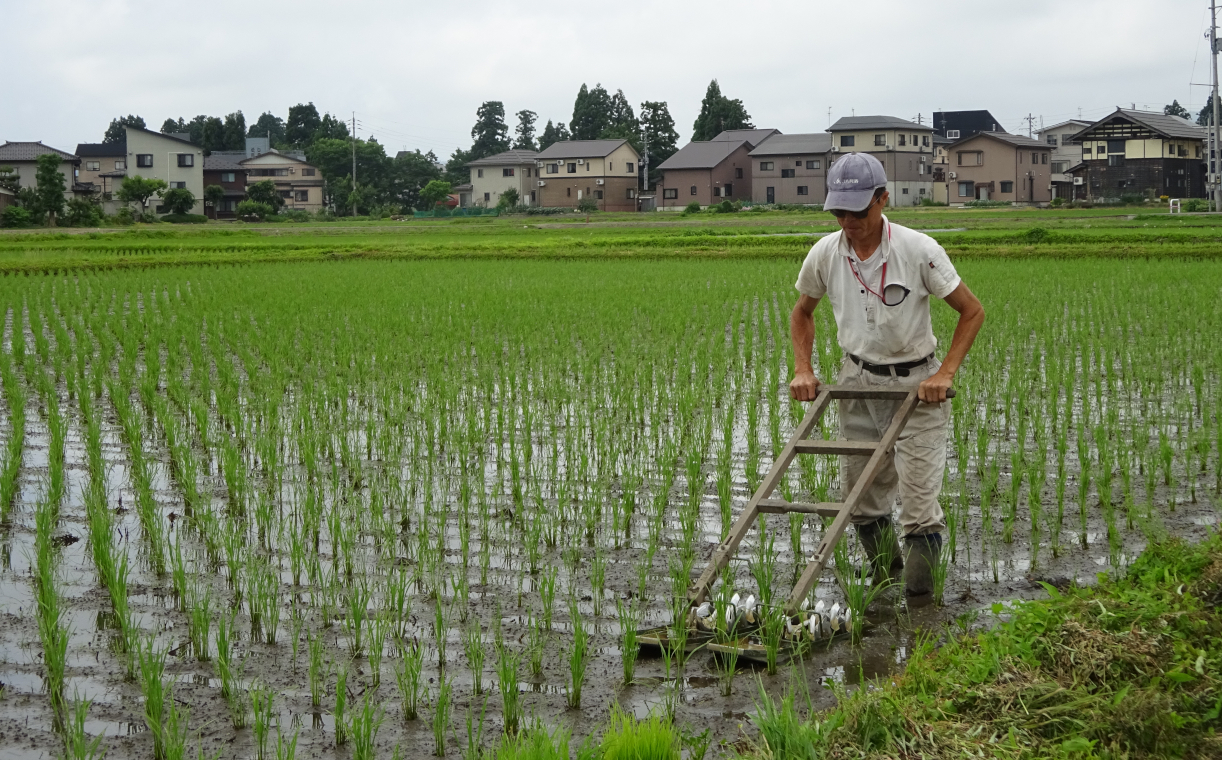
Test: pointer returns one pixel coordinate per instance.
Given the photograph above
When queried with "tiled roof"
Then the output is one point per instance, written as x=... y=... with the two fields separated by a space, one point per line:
x=846 y=123
x=1174 y=127
x=1018 y=141
x=224 y=161
x=753 y=136
x=102 y=150
x=702 y=155
x=508 y=157
x=792 y=145
x=30 y=151
x=580 y=149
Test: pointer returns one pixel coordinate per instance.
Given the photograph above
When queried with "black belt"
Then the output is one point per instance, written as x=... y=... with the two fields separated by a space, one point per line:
x=900 y=370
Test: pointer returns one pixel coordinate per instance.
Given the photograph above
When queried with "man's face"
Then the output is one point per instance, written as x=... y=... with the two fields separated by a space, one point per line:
x=854 y=227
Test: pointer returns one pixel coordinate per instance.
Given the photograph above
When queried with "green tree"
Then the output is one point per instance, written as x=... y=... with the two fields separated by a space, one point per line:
x=83 y=212
x=490 y=135
x=457 y=172
x=333 y=157
x=249 y=208
x=137 y=189
x=331 y=128
x=234 y=133
x=212 y=134
x=410 y=173
x=178 y=200
x=9 y=179
x=661 y=139
x=270 y=126
x=508 y=200
x=553 y=134
x=435 y=192
x=265 y=192
x=170 y=126
x=50 y=185
x=302 y=123
x=717 y=114
x=213 y=195
x=591 y=113
x=621 y=114
x=1175 y=109
x=116 y=133
x=1206 y=116
x=525 y=131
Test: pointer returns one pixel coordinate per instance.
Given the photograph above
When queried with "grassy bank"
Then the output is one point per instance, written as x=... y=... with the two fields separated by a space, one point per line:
x=1129 y=668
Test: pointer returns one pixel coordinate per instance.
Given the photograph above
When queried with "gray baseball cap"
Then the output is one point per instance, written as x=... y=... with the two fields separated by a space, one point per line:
x=852 y=180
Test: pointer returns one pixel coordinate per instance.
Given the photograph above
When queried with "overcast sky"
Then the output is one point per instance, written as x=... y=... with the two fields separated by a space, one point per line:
x=415 y=72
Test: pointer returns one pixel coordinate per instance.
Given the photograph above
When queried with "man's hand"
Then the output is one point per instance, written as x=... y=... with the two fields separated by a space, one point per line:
x=804 y=386
x=933 y=390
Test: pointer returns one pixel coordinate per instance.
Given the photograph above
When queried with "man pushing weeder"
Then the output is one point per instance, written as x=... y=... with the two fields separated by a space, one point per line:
x=879 y=277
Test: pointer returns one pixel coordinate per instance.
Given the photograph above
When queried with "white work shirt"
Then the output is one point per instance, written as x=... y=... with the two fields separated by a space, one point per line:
x=865 y=327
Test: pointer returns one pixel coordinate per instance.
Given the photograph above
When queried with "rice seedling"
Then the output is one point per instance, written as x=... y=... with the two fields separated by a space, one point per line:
x=441 y=715
x=77 y=743
x=152 y=670
x=474 y=749
x=341 y=703
x=627 y=738
x=579 y=658
x=200 y=621
x=365 y=725
x=285 y=749
x=507 y=683
x=628 y=623
x=261 y=699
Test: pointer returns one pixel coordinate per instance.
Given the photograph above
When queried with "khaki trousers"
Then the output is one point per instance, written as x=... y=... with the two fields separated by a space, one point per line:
x=914 y=467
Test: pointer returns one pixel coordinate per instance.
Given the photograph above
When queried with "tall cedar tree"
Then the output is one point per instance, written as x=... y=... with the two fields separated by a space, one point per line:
x=717 y=114
x=234 y=133
x=591 y=113
x=1175 y=109
x=374 y=172
x=661 y=138
x=413 y=170
x=1206 y=116
x=525 y=131
x=270 y=126
x=553 y=133
x=490 y=134
x=212 y=134
x=457 y=172
x=115 y=132
x=50 y=185
x=302 y=123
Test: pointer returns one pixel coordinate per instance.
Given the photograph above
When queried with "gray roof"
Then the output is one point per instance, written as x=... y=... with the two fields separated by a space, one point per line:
x=579 y=149
x=163 y=134
x=846 y=123
x=30 y=151
x=792 y=145
x=224 y=160
x=292 y=155
x=753 y=136
x=1169 y=126
x=509 y=157
x=702 y=155
x=1079 y=123
x=1018 y=141
x=102 y=150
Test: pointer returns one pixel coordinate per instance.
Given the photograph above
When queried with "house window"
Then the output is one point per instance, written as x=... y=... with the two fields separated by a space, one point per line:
x=479 y=173
x=178 y=185
x=588 y=165
x=1183 y=152
x=572 y=168
x=1066 y=139
x=728 y=190
x=921 y=191
x=553 y=168
x=598 y=195
x=693 y=189
x=93 y=166
x=1116 y=159
x=803 y=190
x=903 y=139
x=1007 y=186
x=1115 y=146
x=120 y=165
x=880 y=140
x=965 y=189
x=848 y=141
x=301 y=196
x=308 y=171
x=507 y=172
x=1101 y=148
x=1052 y=140
x=1059 y=167
x=1043 y=158
x=228 y=177
x=1198 y=151
x=952 y=134
x=1035 y=158
x=568 y=192
x=925 y=140
x=670 y=193
x=532 y=196
x=144 y=160
x=812 y=164
x=631 y=195
x=765 y=166
x=610 y=166
x=738 y=173
x=631 y=168
x=971 y=158
x=1086 y=152
x=786 y=173
x=186 y=159
x=286 y=194
x=487 y=197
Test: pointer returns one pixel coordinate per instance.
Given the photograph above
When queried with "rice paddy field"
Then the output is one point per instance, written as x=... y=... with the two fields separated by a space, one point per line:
x=400 y=490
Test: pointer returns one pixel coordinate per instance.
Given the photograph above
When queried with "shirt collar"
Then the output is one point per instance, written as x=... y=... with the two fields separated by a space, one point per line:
x=884 y=248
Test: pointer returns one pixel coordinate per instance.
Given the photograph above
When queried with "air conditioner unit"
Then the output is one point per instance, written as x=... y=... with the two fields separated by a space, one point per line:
x=599 y=181
x=542 y=183
x=1078 y=181
x=952 y=175
x=890 y=147
x=539 y=164
x=581 y=161
x=835 y=148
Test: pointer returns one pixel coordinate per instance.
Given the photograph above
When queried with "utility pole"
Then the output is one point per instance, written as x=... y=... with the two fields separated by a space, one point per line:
x=645 y=157
x=1213 y=130
x=354 y=163
x=1030 y=119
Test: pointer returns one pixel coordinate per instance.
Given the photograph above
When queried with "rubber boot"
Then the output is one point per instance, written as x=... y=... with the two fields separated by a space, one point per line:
x=882 y=550
x=920 y=560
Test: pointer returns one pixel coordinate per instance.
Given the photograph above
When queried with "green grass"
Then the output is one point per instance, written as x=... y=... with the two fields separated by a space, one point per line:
x=1129 y=668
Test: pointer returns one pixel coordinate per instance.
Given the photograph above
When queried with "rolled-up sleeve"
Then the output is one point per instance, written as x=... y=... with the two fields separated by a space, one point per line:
x=811 y=279
x=939 y=274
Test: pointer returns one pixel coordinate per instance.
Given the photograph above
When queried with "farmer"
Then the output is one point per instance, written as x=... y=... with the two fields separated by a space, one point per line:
x=879 y=277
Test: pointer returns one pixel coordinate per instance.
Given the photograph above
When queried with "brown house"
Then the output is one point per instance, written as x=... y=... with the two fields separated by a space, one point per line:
x=998 y=166
x=707 y=173
x=573 y=170
x=223 y=168
x=1141 y=152
x=791 y=169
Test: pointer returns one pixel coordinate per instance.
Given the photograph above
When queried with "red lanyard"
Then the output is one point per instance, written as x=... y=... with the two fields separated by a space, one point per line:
x=883 y=285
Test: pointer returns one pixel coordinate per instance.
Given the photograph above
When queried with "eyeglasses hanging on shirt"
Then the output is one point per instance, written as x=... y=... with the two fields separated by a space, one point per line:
x=892 y=294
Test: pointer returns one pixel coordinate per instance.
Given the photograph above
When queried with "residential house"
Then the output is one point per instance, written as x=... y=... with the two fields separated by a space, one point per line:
x=1140 y=152
x=299 y=184
x=999 y=166
x=22 y=158
x=460 y=196
x=940 y=167
x=791 y=169
x=175 y=160
x=904 y=147
x=707 y=173
x=493 y=175
x=1066 y=151
x=604 y=170
x=224 y=169
x=958 y=125
x=102 y=169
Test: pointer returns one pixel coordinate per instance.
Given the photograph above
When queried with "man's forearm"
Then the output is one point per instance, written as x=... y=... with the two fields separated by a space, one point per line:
x=968 y=326
x=802 y=334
